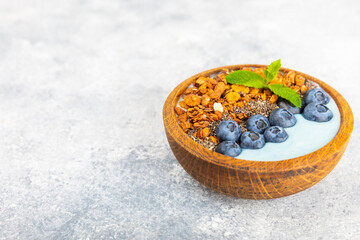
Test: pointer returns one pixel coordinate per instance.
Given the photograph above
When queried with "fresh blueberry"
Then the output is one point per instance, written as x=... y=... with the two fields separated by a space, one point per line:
x=257 y=123
x=317 y=112
x=228 y=130
x=275 y=134
x=252 y=140
x=283 y=103
x=317 y=95
x=282 y=117
x=229 y=148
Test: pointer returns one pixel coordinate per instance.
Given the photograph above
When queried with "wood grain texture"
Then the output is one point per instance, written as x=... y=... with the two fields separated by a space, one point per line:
x=255 y=179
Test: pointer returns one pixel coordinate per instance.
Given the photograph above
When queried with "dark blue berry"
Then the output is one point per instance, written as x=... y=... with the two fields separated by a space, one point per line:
x=316 y=95
x=257 y=123
x=228 y=130
x=229 y=148
x=275 y=134
x=283 y=103
x=282 y=117
x=317 y=112
x=252 y=140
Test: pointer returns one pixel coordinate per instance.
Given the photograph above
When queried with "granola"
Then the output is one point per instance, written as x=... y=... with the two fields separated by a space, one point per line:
x=210 y=100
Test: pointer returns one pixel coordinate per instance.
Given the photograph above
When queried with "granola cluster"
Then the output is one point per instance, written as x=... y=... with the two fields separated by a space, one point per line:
x=209 y=100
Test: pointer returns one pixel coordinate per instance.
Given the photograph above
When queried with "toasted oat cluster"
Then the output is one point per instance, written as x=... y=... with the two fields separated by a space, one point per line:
x=209 y=100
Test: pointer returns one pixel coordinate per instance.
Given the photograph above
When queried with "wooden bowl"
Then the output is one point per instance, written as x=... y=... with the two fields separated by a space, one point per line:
x=255 y=179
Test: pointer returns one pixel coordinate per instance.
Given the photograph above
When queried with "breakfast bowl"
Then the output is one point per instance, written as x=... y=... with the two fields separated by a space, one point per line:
x=254 y=179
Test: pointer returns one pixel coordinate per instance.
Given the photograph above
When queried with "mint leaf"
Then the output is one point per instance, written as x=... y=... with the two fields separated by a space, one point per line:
x=287 y=93
x=246 y=78
x=272 y=71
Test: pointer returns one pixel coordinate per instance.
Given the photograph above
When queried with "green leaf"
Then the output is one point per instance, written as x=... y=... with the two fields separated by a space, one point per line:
x=272 y=70
x=287 y=93
x=246 y=78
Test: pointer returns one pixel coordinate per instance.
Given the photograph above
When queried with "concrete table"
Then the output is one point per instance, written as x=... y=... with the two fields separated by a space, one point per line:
x=83 y=154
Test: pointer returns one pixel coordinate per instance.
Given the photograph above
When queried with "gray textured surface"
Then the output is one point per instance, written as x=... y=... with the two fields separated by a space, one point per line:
x=83 y=153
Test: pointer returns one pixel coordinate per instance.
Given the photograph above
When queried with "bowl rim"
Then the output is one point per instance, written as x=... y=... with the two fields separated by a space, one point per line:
x=173 y=128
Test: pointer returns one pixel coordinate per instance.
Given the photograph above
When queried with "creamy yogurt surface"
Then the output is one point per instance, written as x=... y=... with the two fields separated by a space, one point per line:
x=305 y=137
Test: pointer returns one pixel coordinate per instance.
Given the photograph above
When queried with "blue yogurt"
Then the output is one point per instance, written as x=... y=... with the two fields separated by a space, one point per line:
x=305 y=137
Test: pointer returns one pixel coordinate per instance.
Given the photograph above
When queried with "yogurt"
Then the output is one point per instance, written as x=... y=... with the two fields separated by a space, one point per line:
x=305 y=137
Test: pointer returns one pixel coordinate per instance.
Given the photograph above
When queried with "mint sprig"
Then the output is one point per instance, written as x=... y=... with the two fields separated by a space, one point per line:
x=251 y=79
x=287 y=93
x=272 y=71
x=246 y=78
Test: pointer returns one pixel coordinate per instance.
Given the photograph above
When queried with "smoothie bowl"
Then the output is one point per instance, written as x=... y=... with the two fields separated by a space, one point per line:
x=249 y=142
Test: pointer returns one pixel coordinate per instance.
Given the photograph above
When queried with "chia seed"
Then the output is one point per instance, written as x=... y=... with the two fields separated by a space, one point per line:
x=252 y=108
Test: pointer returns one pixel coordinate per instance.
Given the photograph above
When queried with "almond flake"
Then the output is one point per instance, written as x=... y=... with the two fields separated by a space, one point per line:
x=218 y=107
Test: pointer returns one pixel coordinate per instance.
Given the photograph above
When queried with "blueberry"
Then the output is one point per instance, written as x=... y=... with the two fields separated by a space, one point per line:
x=317 y=95
x=252 y=140
x=228 y=130
x=282 y=117
x=229 y=148
x=275 y=134
x=257 y=123
x=283 y=103
x=317 y=112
